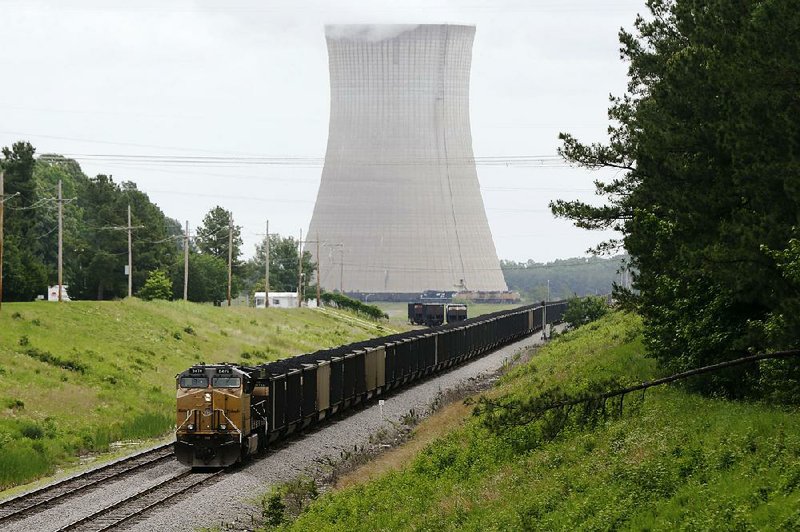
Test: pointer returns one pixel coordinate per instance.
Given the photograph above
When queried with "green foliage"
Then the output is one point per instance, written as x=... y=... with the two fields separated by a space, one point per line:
x=157 y=286
x=344 y=302
x=706 y=139
x=583 y=310
x=273 y=508
x=95 y=247
x=672 y=460
x=14 y=404
x=568 y=277
x=24 y=270
x=213 y=236
x=283 y=267
x=49 y=358
x=286 y=502
x=208 y=278
x=102 y=258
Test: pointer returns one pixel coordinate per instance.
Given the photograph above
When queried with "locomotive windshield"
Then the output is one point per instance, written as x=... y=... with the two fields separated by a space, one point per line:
x=194 y=382
x=225 y=382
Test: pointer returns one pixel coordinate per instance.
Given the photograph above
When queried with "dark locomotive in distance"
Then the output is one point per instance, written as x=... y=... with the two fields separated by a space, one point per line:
x=433 y=314
x=226 y=412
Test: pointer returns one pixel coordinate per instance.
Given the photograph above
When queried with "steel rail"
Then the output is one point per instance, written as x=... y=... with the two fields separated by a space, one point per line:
x=142 y=502
x=47 y=496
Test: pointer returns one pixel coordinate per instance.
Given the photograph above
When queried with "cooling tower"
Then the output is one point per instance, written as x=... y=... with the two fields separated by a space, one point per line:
x=399 y=208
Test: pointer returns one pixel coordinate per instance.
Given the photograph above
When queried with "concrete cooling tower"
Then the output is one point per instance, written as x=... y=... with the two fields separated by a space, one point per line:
x=399 y=208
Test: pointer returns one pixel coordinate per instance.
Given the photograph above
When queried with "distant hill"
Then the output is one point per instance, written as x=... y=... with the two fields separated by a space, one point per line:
x=576 y=276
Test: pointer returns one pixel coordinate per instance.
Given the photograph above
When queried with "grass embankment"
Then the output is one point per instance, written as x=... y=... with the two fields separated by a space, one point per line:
x=77 y=376
x=672 y=460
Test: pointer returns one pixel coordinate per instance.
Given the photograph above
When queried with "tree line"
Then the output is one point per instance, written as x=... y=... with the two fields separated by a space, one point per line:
x=567 y=277
x=95 y=239
x=707 y=141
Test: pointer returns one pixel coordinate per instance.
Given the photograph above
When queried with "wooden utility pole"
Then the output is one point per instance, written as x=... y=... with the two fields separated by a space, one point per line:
x=230 y=257
x=300 y=270
x=186 y=263
x=130 y=255
x=266 y=268
x=2 y=213
x=61 y=241
x=318 y=277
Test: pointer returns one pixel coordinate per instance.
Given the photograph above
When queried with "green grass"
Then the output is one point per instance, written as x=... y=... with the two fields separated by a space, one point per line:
x=673 y=460
x=78 y=376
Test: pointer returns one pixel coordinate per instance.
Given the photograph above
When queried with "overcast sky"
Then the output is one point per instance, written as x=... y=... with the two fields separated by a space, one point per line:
x=250 y=77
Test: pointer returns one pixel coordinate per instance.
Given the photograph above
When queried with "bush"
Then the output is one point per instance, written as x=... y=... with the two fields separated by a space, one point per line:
x=344 y=302
x=286 y=502
x=583 y=310
x=49 y=358
x=157 y=286
x=33 y=432
x=14 y=404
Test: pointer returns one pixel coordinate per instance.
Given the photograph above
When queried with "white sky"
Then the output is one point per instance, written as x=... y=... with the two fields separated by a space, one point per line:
x=250 y=77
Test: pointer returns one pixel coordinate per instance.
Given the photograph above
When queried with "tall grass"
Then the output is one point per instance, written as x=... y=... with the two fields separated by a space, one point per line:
x=673 y=460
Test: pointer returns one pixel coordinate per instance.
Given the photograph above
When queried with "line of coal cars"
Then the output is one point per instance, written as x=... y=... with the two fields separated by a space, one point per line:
x=226 y=412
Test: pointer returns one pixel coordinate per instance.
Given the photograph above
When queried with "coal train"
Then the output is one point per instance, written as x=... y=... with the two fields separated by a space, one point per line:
x=228 y=412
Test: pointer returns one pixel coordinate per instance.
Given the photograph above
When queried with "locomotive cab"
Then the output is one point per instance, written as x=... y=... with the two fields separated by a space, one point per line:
x=214 y=416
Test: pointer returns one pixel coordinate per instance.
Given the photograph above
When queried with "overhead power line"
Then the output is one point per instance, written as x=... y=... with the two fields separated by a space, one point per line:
x=228 y=161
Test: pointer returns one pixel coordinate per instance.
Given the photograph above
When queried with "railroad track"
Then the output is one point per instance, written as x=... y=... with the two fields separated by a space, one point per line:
x=54 y=494
x=140 y=503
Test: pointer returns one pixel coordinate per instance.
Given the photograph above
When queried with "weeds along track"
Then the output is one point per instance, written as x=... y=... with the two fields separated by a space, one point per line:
x=54 y=494
x=140 y=503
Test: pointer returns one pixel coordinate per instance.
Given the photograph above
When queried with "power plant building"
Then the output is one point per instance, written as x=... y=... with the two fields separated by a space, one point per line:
x=399 y=208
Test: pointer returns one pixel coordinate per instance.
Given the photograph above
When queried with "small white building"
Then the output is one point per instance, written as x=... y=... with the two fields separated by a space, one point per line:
x=276 y=299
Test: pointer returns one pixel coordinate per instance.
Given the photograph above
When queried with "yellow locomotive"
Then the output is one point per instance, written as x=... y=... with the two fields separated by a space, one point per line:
x=221 y=415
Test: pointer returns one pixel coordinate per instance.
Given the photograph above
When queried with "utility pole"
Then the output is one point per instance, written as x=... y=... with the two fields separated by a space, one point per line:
x=266 y=268
x=341 y=272
x=186 y=263
x=230 y=257
x=300 y=270
x=61 y=241
x=130 y=255
x=2 y=213
x=318 y=277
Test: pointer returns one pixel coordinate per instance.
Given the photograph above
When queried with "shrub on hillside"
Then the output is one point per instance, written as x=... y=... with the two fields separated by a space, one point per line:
x=342 y=301
x=157 y=286
x=583 y=310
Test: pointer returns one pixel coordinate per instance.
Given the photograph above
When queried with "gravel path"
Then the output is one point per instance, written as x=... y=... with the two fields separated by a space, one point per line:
x=235 y=495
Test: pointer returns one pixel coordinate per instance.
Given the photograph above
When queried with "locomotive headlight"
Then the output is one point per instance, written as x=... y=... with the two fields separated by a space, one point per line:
x=223 y=426
x=190 y=426
x=207 y=397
